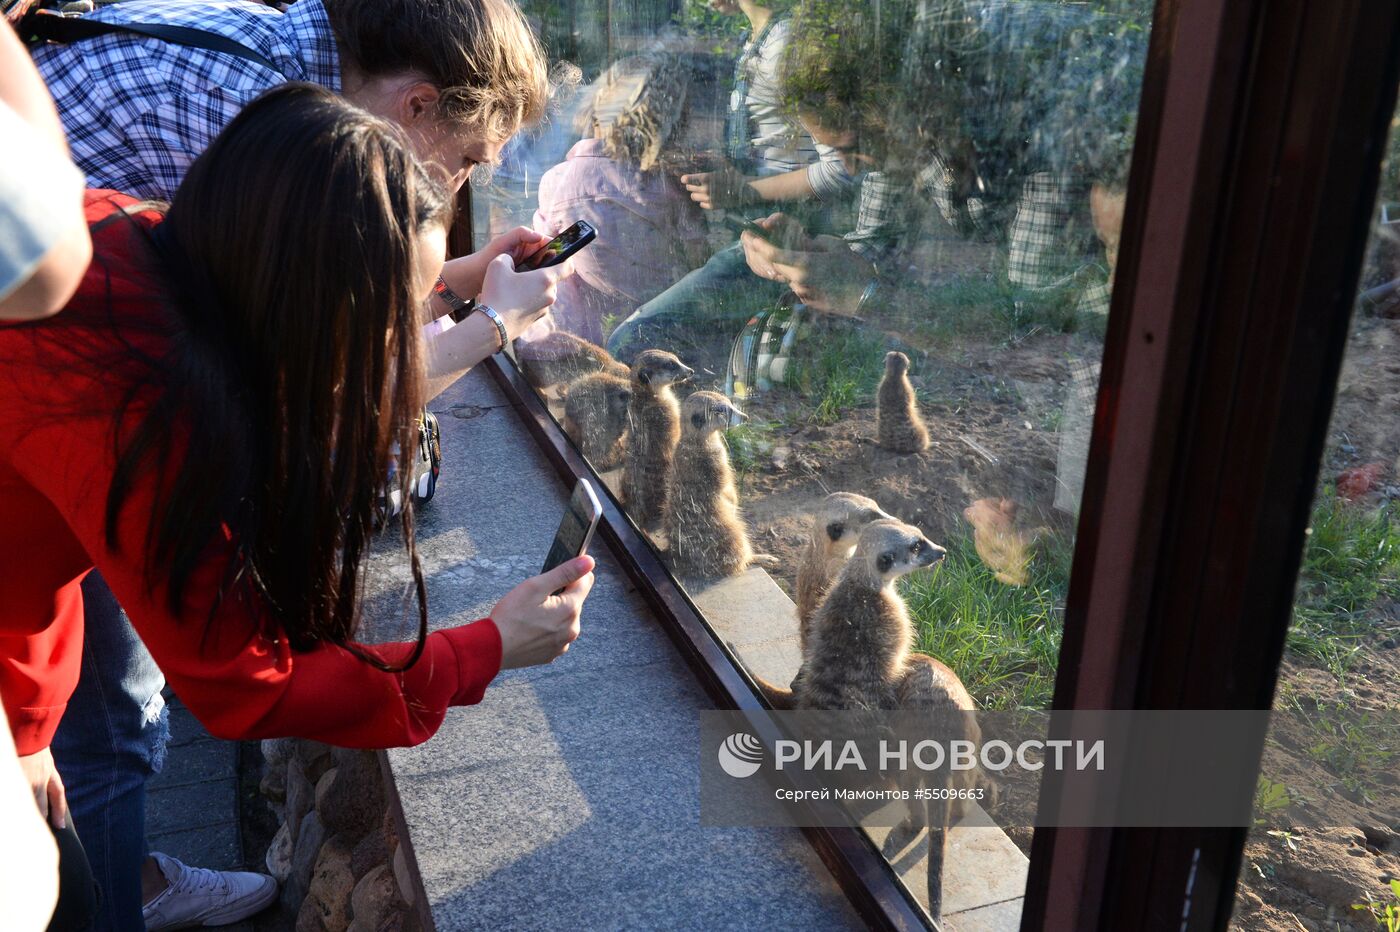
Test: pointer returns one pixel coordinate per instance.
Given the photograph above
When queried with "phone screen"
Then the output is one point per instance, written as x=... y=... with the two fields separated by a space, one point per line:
x=558 y=249
x=576 y=528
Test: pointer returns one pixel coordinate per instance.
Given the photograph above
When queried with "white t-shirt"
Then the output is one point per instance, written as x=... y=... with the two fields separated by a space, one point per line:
x=38 y=187
x=28 y=855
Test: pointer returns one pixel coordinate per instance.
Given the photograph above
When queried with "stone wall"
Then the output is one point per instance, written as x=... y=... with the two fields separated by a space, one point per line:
x=336 y=853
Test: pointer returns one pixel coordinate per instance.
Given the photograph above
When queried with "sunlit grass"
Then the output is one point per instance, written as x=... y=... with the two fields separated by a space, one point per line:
x=1002 y=640
x=1352 y=562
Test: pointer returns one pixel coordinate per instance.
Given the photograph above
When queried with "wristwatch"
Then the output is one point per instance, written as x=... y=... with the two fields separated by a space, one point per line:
x=490 y=312
x=459 y=306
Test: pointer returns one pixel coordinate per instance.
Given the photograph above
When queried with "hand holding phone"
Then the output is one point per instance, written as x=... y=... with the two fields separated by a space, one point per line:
x=740 y=225
x=559 y=249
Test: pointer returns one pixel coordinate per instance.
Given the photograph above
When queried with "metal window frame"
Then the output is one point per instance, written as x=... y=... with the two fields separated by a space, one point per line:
x=1254 y=173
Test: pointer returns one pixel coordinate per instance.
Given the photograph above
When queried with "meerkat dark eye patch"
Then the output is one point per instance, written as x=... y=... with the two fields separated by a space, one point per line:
x=916 y=546
x=644 y=376
x=835 y=529
x=697 y=419
x=884 y=562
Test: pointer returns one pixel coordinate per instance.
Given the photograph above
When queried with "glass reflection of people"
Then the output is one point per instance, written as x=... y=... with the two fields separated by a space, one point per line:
x=768 y=156
x=1002 y=119
x=649 y=231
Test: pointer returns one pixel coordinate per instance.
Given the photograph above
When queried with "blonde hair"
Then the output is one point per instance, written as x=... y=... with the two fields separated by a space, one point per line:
x=482 y=55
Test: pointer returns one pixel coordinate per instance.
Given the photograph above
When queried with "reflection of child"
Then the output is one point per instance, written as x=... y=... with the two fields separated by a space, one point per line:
x=647 y=228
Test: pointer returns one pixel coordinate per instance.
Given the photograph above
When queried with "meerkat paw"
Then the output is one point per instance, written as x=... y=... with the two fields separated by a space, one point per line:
x=765 y=560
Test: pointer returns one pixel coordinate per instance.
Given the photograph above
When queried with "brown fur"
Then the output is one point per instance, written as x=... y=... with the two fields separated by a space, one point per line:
x=899 y=426
x=1005 y=548
x=595 y=416
x=835 y=528
x=705 y=536
x=561 y=358
x=654 y=420
x=860 y=658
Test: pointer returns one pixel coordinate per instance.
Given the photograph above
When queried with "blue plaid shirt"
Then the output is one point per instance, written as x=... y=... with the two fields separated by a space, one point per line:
x=139 y=110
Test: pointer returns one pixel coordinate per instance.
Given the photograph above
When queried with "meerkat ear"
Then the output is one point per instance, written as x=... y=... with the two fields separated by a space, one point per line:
x=884 y=562
x=835 y=529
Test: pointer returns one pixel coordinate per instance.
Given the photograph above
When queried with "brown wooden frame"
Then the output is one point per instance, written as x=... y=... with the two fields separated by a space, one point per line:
x=1254 y=172
x=1254 y=179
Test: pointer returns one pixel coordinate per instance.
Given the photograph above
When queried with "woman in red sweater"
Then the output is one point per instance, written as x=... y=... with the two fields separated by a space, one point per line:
x=209 y=423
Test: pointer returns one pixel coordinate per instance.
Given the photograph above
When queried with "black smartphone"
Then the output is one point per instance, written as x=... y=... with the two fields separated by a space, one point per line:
x=740 y=225
x=576 y=530
x=560 y=248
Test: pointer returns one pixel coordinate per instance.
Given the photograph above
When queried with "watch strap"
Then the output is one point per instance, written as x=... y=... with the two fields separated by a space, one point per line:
x=459 y=306
x=495 y=318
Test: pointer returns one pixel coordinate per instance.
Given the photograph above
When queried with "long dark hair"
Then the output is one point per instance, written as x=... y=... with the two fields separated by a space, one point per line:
x=296 y=369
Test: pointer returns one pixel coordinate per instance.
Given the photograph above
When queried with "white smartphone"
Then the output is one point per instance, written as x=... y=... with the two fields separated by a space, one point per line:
x=576 y=530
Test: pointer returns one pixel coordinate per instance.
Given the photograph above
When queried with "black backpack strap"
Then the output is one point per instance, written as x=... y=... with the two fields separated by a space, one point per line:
x=49 y=27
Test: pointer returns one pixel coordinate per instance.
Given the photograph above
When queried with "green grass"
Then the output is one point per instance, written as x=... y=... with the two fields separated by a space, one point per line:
x=1003 y=641
x=1352 y=562
x=988 y=307
x=843 y=371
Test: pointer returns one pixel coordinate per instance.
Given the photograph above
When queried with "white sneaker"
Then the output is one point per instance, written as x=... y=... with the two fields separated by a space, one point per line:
x=201 y=897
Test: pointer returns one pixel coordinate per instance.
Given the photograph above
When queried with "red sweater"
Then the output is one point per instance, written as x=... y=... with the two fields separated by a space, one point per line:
x=56 y=460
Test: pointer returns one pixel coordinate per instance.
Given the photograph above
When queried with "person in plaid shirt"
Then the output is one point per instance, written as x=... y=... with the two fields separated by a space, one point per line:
x=461 y=77
x=984 y=109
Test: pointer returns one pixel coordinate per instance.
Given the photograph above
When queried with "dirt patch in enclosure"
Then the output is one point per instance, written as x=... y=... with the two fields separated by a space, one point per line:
x=992 y=417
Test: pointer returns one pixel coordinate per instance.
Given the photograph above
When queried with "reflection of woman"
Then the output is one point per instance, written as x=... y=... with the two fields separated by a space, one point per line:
x=649 y=234
x=208 y=423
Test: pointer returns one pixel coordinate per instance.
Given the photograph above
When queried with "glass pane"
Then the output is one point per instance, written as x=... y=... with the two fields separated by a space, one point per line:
x=1325 y=848
x=852 y=263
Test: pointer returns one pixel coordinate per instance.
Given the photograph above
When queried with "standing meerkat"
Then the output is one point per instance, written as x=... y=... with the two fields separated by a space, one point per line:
x=595 y=416
x=836 y=527
x=705 y=536
x=654 y=420
x=859 y=657
x=900 y=428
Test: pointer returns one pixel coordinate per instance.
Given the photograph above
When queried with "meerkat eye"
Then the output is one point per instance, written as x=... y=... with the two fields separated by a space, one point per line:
x=697 y=419
x=644 y=376
x=916 y=546
x=835 y=529
x=884 y=562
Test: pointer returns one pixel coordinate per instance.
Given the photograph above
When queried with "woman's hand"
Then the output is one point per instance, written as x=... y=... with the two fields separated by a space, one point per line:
x=537 y=626
x=467 y=276
x=521 y=298
x=47 y=786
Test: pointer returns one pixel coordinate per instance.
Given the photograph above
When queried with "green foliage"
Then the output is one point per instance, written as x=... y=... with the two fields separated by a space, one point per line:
x=990 y=308
x=1387 y=915
x=750 y=444
x=1352 y=561
x=1002 y=640
x=1269 y=798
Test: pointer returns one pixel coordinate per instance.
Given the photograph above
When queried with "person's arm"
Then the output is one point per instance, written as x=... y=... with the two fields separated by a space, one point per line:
x=44 y=242
x=240 y=682
x=520 y=298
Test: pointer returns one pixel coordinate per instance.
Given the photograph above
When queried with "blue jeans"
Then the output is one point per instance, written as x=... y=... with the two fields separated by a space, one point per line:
x=719 y=296
x=111 y=739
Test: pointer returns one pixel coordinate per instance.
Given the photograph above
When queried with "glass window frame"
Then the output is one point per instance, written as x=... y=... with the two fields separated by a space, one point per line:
x=1259 y=141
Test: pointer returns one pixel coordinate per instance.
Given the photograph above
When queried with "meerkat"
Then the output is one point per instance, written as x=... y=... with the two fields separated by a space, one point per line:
x=859 y=657
x=836 y=526
x=595 y=416
x=654 y=423
x=561 y=358
x=900 y=428
x=705 y=536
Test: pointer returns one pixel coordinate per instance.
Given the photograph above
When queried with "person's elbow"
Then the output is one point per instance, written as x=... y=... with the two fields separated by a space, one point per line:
x=52 y=283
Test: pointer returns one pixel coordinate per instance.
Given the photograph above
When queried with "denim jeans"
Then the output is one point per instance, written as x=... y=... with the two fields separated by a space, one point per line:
x=111 y=739
x=717 y=297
